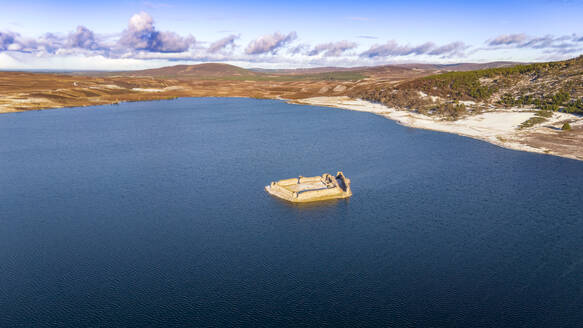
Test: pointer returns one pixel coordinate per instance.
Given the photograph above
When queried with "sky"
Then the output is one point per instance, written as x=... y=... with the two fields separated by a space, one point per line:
x=122 y=35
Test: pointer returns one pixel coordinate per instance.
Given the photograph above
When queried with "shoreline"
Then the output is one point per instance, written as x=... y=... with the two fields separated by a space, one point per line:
x=495 y=127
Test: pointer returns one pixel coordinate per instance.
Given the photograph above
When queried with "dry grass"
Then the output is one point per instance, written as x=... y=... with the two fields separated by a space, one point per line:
x=32 y=91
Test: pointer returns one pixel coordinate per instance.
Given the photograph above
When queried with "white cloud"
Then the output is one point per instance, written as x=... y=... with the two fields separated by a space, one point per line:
x=332 y=49
x=7 y=39
x=507 y=39
x=82 y=38
x=450 y=50
x=269 y=43
x=549 y=44
x=141 y=34
x=223 y=44
x=394 y=49
x=141 y=45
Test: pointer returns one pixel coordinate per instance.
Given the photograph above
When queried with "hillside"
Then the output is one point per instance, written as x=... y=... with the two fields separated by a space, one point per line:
x=549 y=86
x=200 y=71
x=461 y=67
x=216 y=71
x=385 y=72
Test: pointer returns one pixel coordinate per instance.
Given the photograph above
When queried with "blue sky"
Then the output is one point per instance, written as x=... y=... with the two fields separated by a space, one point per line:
x=141 y=34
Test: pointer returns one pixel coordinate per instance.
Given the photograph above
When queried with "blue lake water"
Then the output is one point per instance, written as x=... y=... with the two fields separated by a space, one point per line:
x=154 y=214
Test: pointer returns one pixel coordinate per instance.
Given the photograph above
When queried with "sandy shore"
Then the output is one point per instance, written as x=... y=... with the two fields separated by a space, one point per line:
x=497 y=127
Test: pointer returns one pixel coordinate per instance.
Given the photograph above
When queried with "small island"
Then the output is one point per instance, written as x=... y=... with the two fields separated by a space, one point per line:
x=311 y=189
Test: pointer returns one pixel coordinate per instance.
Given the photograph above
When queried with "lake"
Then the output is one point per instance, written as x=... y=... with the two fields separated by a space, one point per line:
x=154 y=214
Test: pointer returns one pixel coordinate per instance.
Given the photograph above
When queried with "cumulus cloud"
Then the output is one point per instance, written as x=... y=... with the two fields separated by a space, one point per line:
x=450 y=50
x=549 y=44
x=541 y=42
x=7 y=39
x=269 y=43
x=142 y=41
x=141 y=34
x=82 y=38
x=47 y=43
x=222 y=44
x=11 y=41
x=394 y=49
x=546 y=41
x=332 y=49
x=507 y=39
x=300 y=48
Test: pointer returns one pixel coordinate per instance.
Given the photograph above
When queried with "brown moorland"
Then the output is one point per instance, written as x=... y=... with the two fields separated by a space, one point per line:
x=20 y=91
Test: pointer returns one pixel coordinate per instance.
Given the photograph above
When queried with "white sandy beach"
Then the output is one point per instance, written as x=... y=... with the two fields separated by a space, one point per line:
x=498 y=127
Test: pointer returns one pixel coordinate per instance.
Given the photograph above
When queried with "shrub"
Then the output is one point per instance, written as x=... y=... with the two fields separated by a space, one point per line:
x=532 y=122
x=566 y=126
x=544 y=113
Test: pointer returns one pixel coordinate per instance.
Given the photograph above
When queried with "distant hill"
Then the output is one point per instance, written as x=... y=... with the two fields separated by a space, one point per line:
x=200 y=71
x=216 y=71
x=461 y=67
